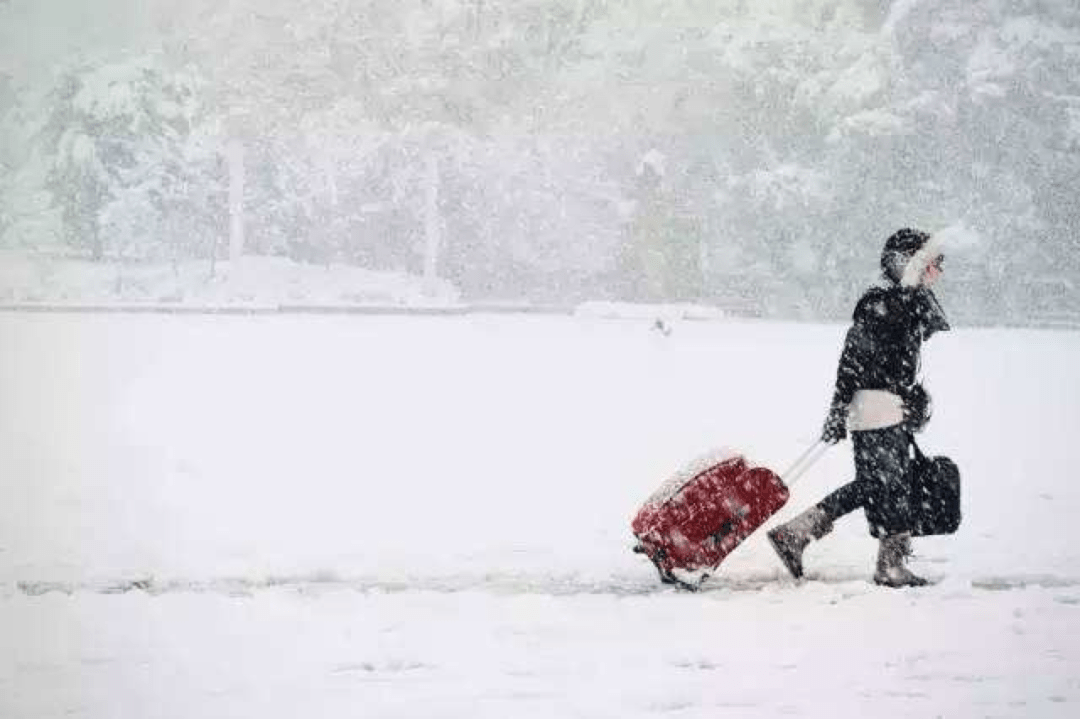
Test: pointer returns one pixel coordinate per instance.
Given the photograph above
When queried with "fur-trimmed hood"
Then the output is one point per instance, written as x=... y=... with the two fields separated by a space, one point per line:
x=917 y=264
x=907 y=254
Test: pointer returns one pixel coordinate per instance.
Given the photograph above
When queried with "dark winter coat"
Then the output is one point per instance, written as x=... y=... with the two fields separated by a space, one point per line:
x=883 y=347
x=882 y=351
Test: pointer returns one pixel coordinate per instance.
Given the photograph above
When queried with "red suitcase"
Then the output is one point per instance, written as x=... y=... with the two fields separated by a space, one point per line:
x=702 y=513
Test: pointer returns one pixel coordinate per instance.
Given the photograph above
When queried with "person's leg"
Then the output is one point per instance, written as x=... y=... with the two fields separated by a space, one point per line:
x=845 y=500
x=883 y=470
x=791 y=538
x=883 y=463
x=881 y=479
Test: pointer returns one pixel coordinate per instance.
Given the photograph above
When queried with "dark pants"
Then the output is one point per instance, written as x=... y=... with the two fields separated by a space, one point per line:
x=882 y=484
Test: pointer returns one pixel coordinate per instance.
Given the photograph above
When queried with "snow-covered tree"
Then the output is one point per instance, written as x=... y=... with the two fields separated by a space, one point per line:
x=118 y=138
x=497 y=142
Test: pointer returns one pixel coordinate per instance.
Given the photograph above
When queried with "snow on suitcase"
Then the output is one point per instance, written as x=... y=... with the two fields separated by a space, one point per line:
x=702 y=513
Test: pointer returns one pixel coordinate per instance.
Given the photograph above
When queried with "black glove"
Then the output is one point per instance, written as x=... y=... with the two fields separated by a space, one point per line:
x=917 y=408
x=835 y=428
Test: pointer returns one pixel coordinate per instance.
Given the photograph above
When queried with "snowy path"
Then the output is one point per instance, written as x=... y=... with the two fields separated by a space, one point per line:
x=428 y=517
x=550 y=584
x=818 y=650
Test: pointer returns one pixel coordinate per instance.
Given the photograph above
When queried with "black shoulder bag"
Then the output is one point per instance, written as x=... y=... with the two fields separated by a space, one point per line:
x=935 y=497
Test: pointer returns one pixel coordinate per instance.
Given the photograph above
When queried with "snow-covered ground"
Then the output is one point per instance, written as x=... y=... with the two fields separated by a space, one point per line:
x=281 y=516
x=29 y=279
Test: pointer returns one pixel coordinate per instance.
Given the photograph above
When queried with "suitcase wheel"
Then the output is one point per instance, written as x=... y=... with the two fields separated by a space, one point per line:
x=666 y=576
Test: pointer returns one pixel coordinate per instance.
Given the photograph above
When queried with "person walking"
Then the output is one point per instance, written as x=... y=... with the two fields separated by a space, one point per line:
x=879 y=399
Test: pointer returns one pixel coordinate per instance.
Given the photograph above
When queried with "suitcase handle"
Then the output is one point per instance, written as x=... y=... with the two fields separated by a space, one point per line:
x=804 y=462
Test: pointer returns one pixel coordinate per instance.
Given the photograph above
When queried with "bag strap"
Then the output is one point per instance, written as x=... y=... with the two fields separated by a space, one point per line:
x=915 y=445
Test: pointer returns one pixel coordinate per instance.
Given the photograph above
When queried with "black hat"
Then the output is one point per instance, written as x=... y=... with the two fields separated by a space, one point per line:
x=906 y=254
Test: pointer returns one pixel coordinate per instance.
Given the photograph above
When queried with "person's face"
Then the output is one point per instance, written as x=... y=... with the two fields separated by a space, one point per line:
x=933 y=271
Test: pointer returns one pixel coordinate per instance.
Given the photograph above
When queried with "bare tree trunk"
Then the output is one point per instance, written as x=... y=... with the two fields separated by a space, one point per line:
x=330 y=172
x=235 y=153
x=97 y=246
x=580 y=13
x=326 y=232
x=478 y=22
x=432 y=225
